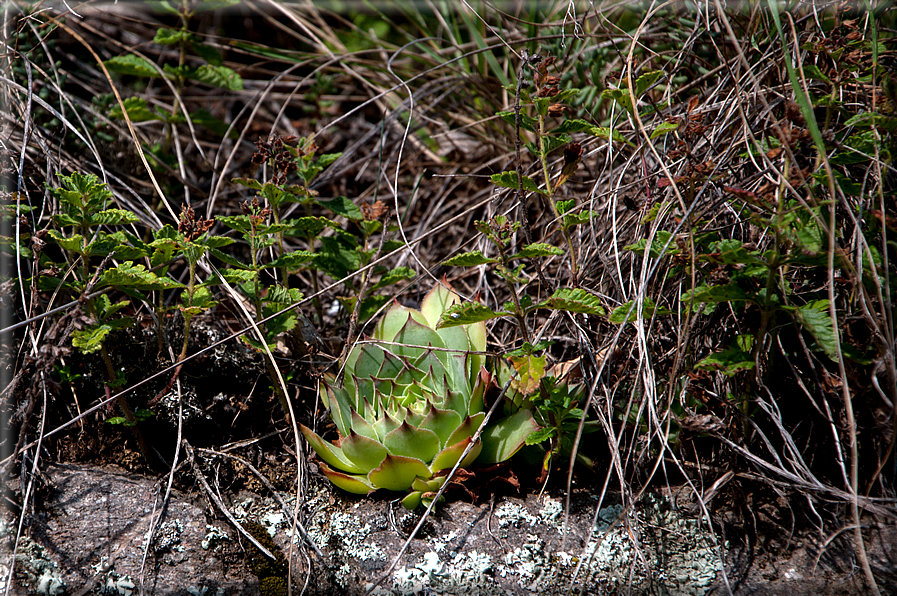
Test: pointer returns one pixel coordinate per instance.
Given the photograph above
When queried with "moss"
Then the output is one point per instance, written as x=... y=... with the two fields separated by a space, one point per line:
x=272 y=586
x=272 y=574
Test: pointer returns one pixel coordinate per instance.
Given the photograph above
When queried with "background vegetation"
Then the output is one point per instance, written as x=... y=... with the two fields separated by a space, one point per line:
x=678 y=220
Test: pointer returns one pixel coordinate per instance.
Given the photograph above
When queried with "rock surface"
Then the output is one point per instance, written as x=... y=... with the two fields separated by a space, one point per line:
x=90 y=536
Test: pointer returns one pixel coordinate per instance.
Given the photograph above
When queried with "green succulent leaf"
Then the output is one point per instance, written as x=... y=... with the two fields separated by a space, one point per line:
x=398 y=472
x=505 y=438
x=448 y=457
x=358 y=485
x=409 y=441
x=364 y=452
x=329 y=452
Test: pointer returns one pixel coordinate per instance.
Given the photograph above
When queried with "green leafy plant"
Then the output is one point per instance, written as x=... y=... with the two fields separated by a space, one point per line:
x=211 y=72
x=83 y=214
x=528 y=362
x=556 y=402
x=329 y=248
x=411 y=403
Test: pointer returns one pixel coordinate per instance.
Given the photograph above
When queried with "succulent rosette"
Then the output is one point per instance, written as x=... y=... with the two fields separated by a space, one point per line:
x=411 y=403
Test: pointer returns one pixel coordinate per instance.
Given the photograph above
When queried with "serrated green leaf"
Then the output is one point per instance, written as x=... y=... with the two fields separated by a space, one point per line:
x=292 y=260
x=811 y=71
x=664 y=128
x=729 y=362
x=128 y=274
x=467 y=313
x=661 y=239
x=574 y=300
x=644 y=82
x=308 y=226
x=530 y=370
x=526 y=122
x=91 y=339
x=138 y=111
x=216 y=76
x=342 y=206
x=814 y=317
x=541 y=435
x=248 y=183
x=469 y=259
x=72 y=243
x=208 y=53
x=611 y=135
x=131 y=64
x=725 y=293
x=394 y=276
x=578 y=218
x=510 y=180
x=112 y=217
x=169 y=37
x=538 y=249
x=573 y=125
x=551 y=144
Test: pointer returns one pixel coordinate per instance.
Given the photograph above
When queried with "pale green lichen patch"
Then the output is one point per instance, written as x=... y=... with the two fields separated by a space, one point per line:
x=684 y=555
x=214 y=538
x=118 y=585
x=468 y=573
x=35 y=571
x=168 y=537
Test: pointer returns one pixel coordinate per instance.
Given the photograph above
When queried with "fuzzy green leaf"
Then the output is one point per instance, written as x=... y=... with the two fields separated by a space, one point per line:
x=292 y=260
x=574 y=300
x=168 y=37
x=573 y=125
x=469 y=259
x=129 y=275
x=138 y=111
x=342 y=206
x=131 y=64
x=611 y=135
x=730 y=361
x=541 y=435
x=467 y=313
x=664 y=128
x=661 y=240
x=530 y=370
x=91 y=339
x=509 y=180
x=814 y=317
x=726 y=293
x=526 y=122
x=538 y=249
x=112 y=217
x=394 y=276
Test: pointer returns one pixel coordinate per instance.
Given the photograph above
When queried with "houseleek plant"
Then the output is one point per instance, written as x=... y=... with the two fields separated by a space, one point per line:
x=411 y=403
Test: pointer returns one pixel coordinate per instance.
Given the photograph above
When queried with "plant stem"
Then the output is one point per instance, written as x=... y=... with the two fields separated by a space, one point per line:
x=543 y=156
